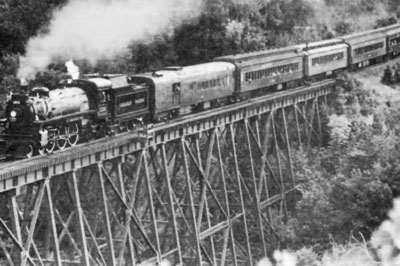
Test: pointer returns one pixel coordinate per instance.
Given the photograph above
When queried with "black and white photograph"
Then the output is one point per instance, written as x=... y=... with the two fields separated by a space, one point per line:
x=199 y=132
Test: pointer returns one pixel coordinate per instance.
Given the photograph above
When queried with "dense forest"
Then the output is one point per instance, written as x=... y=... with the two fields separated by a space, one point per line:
x=218 y=28
x=348 y=185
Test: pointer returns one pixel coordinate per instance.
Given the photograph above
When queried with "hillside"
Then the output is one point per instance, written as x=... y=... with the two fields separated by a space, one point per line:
x=371 y=79
x=352 y=180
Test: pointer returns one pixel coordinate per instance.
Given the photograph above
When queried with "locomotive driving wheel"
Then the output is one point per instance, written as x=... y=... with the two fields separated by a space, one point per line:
x=42 y=150
x=29 y=151
x=73 y=134
x=48 y=148
x=62 y=139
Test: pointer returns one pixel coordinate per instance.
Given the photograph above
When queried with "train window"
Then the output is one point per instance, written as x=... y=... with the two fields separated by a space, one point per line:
x=395 y=41
x=176 y=87
x=217 y=82
x=368 y=48
x=271 y=72
x=322 y=60
x=102 y=96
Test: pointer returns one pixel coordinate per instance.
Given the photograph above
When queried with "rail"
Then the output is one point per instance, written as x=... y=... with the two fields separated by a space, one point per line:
x=19 y=173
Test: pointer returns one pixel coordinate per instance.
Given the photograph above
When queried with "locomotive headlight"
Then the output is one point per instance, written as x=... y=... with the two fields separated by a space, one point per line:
x=13 y=114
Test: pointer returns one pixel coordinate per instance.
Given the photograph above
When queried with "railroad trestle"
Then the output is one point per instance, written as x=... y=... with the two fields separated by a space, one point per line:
x=205 y=189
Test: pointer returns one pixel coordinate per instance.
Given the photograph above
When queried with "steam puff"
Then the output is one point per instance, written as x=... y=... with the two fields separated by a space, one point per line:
x=93 y=29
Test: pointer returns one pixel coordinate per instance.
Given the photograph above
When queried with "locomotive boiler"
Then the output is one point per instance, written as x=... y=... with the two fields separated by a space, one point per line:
x=48 y=104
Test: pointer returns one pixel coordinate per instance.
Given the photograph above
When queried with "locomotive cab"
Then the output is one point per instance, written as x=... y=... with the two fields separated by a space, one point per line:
x=103 y=87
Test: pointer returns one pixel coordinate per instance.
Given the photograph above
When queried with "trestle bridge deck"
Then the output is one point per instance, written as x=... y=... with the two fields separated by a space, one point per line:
x=204 y=188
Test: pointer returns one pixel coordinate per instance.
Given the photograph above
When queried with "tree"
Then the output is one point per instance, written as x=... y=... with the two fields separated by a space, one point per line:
x=152 y=55
x=387 y=77
x=274 y=13
x=343 y=28
x=299 y=13
x=20 y=20
x=202 y=40
x=383 y=22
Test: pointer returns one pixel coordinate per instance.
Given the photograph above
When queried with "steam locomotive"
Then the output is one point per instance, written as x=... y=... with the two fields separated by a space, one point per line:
x=42 y=120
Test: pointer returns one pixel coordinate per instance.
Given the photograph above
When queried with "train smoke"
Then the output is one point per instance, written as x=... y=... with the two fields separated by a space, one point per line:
x=94 y=29
x=73 y=70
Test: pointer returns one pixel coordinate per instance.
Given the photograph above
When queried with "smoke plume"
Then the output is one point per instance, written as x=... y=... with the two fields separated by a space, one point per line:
x=94 y=29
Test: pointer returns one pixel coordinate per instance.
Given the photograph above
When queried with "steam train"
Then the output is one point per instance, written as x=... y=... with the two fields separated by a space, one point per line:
x=42 y=120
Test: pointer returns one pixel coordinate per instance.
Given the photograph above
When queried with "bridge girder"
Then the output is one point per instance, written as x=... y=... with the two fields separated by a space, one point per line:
x=207 y=194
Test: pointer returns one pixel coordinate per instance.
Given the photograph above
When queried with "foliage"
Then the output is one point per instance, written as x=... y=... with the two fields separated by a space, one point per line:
x=153 y=55
x=223 y=27
x=386 y=238
x=391 y=75
x=202 y=40
x=387 y=77
x=20 y=20
x=348 y=185
x=307 y=257
x=355 y=7
x=49 y=79
x=343 y=28
x=8 y=69
x=385 y=22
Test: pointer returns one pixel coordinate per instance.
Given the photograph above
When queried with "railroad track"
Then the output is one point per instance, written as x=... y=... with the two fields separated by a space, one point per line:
x=16 y=173
x=159 y=127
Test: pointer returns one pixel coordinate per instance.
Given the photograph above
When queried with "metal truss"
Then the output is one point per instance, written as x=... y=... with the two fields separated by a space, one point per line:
x=211 y=197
